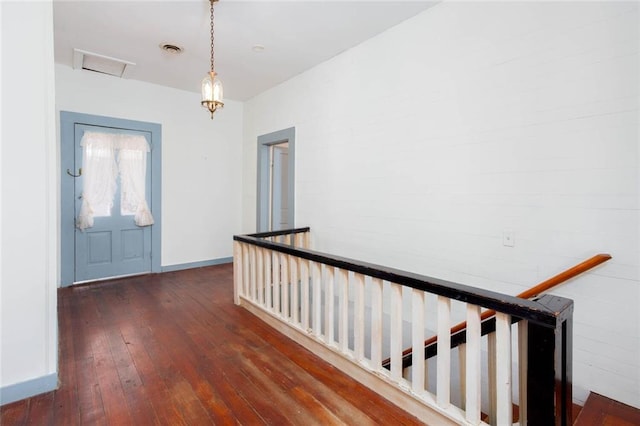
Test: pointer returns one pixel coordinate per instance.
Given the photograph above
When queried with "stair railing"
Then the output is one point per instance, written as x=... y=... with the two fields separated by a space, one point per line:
x=530 y=293
x=335 y=307
x=458 y=335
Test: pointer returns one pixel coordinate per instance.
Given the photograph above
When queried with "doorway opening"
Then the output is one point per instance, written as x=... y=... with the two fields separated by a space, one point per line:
x=276 y=177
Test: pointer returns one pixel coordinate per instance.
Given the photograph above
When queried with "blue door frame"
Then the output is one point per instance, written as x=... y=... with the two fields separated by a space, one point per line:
x=263 y=195
x=68 y=122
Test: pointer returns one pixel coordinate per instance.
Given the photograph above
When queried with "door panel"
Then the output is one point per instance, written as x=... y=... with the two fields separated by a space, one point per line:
x=98 y=248
x=132 y=244
x=114 y=245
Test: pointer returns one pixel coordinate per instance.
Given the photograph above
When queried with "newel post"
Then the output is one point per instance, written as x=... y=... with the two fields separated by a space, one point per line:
x=549 y=372
x=237 y=272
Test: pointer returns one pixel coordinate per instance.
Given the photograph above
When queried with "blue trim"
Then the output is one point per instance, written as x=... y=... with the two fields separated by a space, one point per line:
x=191 y=265
x=18 y=391
x=262 y=204
x=68 y=120
x=67 y=194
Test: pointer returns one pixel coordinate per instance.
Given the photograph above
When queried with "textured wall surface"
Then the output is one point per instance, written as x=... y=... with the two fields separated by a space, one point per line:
x=28 y=268
x=420 y=147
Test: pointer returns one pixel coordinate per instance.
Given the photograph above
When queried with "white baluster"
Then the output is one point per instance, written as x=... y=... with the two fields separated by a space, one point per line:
x=275 y=272
x=268 y=276
x=304 y=293
x=462 y=369
x=295 y=306
x=252 y=273
x=417 y=341
x=316 y=313
x=343 y=320
x=286 y=286
x=473 y=359
x=246 y=265
x=260 y=274
x=493 y=405
x=329 y=318
x=443 y=378
x=503 y=369
x=376 y=324
x=358 y=319
x=396 y=332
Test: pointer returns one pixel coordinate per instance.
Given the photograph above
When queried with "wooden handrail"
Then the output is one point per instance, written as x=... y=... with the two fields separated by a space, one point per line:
x=278 y=233
x=511 y=305
x=534 y=291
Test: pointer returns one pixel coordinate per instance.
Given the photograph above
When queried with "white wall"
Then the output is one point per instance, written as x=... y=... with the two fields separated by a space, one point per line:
x=201 y=158
x=418 y=148
x=28 y=267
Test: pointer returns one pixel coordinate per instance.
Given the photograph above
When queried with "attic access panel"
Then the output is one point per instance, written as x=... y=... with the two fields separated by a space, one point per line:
x=100 y=63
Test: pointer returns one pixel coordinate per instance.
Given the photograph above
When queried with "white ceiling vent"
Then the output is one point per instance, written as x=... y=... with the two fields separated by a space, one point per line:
x=83 y=60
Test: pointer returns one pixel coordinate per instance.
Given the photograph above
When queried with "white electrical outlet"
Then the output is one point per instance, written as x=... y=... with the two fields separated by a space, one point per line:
x=508 y=238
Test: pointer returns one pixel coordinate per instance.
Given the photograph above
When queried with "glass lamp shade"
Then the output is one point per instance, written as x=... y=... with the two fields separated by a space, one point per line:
x=212 y=94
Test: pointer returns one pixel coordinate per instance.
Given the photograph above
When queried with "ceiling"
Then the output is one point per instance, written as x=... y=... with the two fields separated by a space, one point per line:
x=296 y=35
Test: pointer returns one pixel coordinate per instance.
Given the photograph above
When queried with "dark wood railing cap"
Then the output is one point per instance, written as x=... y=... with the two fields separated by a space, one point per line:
x=278 y=233
x=521 y=308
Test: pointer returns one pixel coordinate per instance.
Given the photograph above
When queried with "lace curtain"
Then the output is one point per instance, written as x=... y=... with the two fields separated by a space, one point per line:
x=100 y=172
x=132 y=161
x=99 y=178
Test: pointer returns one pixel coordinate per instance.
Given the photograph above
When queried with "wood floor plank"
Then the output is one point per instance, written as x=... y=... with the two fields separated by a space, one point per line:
x=184 y=396
x=292 y=378
x=41 y=410
x=198 y=397
x=90 y=406
x=380 y=410
x=232 y=395
x=113 y=397
x=599 y=410
x=206 y=393
x=150 y=374
x=299 y=382
x=205 y=338
x=173 y=349
x=15 y=414
x=259 y=401
x=184 y=363
x=241 y=325
x=244 y=376
x=140 y=407
x=66 y=399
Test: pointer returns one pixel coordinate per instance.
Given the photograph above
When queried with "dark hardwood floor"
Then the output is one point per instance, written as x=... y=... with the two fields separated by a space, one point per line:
x=602 y=411
x=173 y=349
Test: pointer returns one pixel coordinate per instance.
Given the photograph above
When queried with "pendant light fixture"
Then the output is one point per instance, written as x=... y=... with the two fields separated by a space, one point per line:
x=211 y=85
